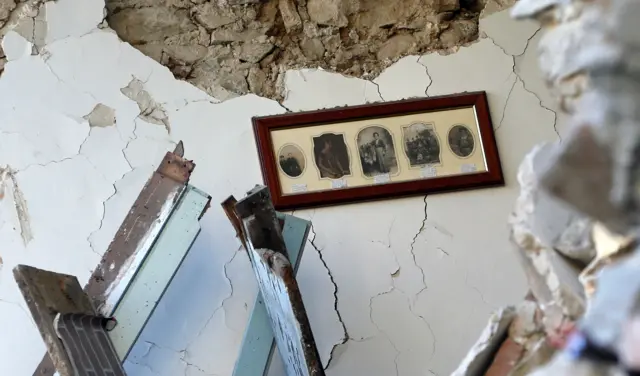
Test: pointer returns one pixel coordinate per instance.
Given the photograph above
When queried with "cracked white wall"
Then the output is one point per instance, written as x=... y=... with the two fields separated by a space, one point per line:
x=393 y=287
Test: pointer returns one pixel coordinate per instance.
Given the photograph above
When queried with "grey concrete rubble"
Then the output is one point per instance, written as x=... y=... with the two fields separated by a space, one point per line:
x=576 y=221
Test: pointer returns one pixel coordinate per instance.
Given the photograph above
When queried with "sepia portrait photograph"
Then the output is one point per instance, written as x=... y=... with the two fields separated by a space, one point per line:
x=291 y=160
x=331 y=155
x=421 y=144
x=461 y=141
x=377 y=151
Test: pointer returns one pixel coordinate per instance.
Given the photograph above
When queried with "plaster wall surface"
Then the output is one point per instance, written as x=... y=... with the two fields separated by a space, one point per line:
x=397 y=287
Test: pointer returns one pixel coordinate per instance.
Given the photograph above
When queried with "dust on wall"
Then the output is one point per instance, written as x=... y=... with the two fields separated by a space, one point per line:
x=233 y=47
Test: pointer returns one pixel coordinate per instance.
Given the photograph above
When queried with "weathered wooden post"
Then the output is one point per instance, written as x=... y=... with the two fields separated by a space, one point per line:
x=130 y=280
x=259 y=229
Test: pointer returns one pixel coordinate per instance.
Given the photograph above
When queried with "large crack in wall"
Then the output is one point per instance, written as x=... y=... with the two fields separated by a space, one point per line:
x=233 y=47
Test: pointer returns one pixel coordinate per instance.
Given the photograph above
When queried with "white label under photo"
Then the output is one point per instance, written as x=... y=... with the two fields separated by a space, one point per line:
x=338 y=183
x=468 y=168
x=428 y=172
x=298 y=188
x=382 y=178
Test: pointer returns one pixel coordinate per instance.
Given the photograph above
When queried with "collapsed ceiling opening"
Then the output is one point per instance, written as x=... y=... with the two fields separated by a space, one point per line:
x=233 y=47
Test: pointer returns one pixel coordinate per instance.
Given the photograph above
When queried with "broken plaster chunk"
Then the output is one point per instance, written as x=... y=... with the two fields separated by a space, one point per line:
x=489 y=342
x=150 y=110
x=560 y=277
x=541 y=219
x=101 y=116
x=15 y=46
x=526 y=323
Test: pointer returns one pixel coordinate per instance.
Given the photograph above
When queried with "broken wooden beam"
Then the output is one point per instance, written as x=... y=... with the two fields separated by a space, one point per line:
x=262 y=234
x=135 y=238
x=258 y=343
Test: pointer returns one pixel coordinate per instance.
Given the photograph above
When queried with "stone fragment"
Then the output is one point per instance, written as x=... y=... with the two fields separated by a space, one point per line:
x=526 y=323
x=6 y=6
x=489 y=342
x=223 y=36
x=396 y=46
x=253 y=52
x=459 y=33
x=327 y=12
x=312 y=49
x=539 y=220
x=188 y=54
x=101 y=116
x=554 y=282
x=256 y=79
x=243 y=2
x=290 y=16
x=332 y=43
x=142 y=25
x=200 y=36
x=211 y=16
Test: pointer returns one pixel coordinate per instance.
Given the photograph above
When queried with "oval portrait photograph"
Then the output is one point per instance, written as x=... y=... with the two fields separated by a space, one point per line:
x=291 y=160
x=461 y=141
x=331 y=155
x=377 y=151
x=421 y=144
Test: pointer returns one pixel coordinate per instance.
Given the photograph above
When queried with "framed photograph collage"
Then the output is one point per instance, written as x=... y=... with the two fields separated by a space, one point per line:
x=378 y=151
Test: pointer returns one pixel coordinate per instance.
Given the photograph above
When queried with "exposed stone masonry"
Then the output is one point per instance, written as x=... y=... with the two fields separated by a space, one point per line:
x=233 y=47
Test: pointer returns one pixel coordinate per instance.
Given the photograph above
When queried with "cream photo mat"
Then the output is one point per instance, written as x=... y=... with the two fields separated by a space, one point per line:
x=443 y=121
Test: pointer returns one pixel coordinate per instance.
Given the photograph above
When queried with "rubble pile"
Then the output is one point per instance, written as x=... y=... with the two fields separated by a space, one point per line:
x=575 y=224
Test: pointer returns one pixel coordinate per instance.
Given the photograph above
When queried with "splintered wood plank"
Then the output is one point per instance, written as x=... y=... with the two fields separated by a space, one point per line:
x=135 y=237
x=48 y=293
x=258 y=343
x=278 y=286
x=157 y=271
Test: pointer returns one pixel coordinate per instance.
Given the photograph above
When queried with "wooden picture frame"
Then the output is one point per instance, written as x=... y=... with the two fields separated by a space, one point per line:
x=378 y=151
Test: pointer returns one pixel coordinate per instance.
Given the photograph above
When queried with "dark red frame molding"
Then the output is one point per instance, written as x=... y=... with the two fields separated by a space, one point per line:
x=263 y=126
